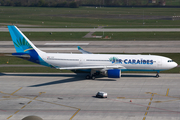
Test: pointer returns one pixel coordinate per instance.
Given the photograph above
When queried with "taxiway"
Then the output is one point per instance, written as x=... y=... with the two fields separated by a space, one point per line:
x=70 y=96
x=100 y=46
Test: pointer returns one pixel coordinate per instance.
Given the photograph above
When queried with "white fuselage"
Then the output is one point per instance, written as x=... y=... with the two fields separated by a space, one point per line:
x=129 y=62
x=110 y=64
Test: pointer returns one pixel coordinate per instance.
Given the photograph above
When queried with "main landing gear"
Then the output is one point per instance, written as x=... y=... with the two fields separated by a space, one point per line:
x=90 y=77
x=157 y=75
x=93 y=75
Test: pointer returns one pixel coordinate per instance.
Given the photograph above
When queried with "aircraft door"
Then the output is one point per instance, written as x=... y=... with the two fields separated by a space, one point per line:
x=159 y=64
x=81 y=61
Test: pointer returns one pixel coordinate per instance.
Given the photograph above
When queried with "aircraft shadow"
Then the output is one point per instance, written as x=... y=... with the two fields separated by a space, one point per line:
x=73 y=79
x=1 y=74
x=40 y=75
x=138 y=76
x=67 y=75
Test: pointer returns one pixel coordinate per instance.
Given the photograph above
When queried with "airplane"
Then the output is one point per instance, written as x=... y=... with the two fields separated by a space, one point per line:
x=110 y=65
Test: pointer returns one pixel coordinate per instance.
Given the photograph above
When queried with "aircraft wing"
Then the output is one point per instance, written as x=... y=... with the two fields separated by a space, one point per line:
x=83 y=51
x=92 y=67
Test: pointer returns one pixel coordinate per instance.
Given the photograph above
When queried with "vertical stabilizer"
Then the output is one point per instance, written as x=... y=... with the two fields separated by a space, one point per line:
x=25 y=47
x=21 y=42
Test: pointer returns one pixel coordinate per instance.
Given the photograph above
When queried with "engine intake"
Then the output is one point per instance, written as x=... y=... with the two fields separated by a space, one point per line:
x=114 y=73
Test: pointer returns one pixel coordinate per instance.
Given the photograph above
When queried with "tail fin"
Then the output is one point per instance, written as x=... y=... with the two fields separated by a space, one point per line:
x=24 y=46
x=21 y=43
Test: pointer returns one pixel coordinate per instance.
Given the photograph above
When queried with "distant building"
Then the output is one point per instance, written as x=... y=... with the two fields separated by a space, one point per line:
x=162 y=2
x=152 y=1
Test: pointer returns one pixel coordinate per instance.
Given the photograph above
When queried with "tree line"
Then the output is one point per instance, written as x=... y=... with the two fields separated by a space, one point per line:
x=40 y=3
x=77 y=3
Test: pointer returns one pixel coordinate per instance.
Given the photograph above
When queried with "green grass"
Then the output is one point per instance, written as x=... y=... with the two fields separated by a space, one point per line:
x=87 y=16
x=43 y=36
x=15 y=60
x=141 y=35
x=78 y=36
x=173 y=2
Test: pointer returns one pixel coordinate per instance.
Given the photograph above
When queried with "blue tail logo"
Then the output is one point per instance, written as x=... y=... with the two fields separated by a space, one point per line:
x=19 y=39
x=22 y=44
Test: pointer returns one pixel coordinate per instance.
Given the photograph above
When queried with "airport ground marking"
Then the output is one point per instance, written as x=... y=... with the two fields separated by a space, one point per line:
x=130 y=98
x=9 y=116
x=144 y=118
x=163 y=95
x=16 y=90
x=165 y=101
x=15 y=95
x=144 y=106
x=78 y=109
x=74 y=114
x=148 y=105
x=6 y=96
x=24 y=105
x=145 y=113
x=167 y=92
x=38 y=100
x=178 y=98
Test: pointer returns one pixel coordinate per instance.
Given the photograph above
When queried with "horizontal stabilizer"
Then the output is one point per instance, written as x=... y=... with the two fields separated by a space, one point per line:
x=83 y=51
x=22 y=55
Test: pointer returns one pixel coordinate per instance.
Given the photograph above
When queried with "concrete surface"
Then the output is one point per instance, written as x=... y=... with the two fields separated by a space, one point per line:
x=100 y=46
x=69 y=96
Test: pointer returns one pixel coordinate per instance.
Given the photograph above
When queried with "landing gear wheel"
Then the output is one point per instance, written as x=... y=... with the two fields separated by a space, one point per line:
x=157 y=75
x=93 y=77
x=88 y=77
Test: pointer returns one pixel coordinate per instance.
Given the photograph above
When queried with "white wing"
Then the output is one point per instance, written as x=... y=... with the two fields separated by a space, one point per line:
x=92 y=67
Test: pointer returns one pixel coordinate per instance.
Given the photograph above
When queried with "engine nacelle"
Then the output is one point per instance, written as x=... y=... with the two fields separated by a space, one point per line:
x=114 y=73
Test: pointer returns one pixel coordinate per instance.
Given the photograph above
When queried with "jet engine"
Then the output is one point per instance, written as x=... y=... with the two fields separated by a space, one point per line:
x=114 y=73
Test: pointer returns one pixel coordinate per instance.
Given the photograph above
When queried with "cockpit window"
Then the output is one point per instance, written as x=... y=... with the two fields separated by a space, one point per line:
x=170 y=60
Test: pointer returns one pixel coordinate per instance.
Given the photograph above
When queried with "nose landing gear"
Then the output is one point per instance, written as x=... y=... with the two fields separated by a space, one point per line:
x=157 y=75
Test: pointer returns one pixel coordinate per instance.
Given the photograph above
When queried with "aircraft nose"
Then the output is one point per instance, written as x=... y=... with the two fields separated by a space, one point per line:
x=172 y=65
x=176 y=65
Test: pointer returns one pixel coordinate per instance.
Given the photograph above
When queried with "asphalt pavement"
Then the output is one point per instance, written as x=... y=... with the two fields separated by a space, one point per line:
x=54 y=96
x=100 y=46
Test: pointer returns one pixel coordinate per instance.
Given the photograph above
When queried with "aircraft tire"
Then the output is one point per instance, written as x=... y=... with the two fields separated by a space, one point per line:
x=88 y=77
x=93 y=77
